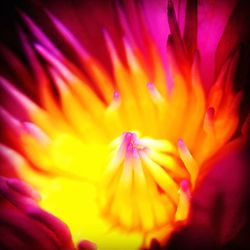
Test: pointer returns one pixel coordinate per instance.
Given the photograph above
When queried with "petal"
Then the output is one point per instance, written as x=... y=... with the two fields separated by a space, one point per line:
x=236 y=32
x=26 y=226
x=219 y=204
x=212 y=19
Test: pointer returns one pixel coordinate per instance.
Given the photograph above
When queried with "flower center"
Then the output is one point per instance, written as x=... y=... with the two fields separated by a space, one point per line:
x=140 y=186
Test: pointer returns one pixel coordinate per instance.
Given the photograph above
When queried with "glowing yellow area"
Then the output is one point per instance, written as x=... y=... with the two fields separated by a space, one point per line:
x=72 y=149
x=75 y=203
x=85 y=161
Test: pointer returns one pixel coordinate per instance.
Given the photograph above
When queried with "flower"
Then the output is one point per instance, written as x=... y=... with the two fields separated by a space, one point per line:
x=116 y=135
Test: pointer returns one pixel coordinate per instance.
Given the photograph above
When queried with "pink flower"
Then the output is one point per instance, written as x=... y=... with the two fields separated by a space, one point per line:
x=125 y=118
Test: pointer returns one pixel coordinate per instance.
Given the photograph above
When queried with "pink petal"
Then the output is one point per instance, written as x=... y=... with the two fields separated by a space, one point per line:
x=219 y=204
x=212 y=19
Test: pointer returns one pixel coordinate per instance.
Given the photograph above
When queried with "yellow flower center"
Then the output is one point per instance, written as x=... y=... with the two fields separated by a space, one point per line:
x=140 y=187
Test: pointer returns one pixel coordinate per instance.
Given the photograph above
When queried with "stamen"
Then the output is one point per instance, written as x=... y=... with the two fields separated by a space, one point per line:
x=20 y=165
x=183 y=205
x=188 y=160
x=56 y=62
x=37 y=132
x=24 y=102
x=115 y=104
x=111 y=47
x=137 y=186
x=161 y=177
x=154 y=93
x=40 y=36
x=209 y=121
x=13 y=124
x=69 y=37
x=116 y=95
x=122 y=78
x=132 y=60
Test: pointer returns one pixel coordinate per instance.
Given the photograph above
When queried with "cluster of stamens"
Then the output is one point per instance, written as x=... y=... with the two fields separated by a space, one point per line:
x=141 y=189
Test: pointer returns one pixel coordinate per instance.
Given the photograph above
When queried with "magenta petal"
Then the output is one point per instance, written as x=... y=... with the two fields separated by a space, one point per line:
x=86 y=245
x=60 y=230
x=9 y=240
x=219 y=204
x=155 y=245
x=21 y=227
x=25 y=223
x=23 y=189
x=235 y=33
x=191 y=26
x=222 y=194
x=212 y=19
x=15 y=198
